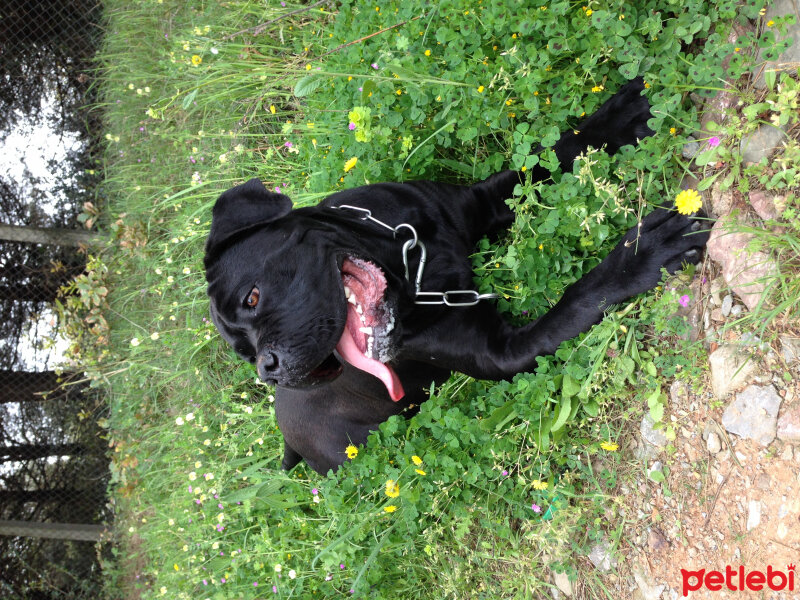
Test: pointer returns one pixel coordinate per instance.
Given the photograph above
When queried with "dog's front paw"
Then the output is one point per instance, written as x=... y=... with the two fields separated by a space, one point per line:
x=664 y=239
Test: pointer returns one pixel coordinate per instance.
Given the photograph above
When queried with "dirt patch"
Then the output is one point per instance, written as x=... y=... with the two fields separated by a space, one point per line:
x=739 y=507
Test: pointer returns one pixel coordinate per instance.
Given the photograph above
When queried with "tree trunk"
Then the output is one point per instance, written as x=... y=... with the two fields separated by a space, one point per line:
x=55 y=531
x=41 y=235
x=22 y=386
x=30 y=451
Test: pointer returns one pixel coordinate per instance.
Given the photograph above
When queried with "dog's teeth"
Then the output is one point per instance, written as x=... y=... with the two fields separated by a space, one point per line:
x=352 y=300
x=370 y=342
x=367 y=330
x=359 y=310
x=347 y=292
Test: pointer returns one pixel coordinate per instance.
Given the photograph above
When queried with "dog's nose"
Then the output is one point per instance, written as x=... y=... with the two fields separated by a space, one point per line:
x=267 y=365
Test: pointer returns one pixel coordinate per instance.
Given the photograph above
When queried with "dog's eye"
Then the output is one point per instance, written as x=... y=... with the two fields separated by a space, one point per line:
x=252 y=298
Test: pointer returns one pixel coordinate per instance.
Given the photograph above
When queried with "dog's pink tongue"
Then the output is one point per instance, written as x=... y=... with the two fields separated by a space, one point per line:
x=349 y=351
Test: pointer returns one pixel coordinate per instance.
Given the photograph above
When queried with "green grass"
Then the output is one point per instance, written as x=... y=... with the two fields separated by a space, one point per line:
x=513 y=479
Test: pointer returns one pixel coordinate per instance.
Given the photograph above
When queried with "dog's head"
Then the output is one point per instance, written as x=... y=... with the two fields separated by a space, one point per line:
x=295 y=293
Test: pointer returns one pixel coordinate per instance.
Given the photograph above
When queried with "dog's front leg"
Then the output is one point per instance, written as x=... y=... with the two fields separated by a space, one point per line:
x=479 y=342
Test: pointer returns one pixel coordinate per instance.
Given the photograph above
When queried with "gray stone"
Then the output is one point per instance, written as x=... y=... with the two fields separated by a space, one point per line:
x=762 y=142
x=691 y=148
x=790 y=58
x=790 y=348
x=721 y=200
x=788 y=429
x=727 y=305
x=655 y=437
x=754 y=414
x=648 y=588
x=562 y=583
x=730 y=369
x=737 y=310
x=601 y=557
x=713 y=443
x=766 y=205
x=746 y=272
x=753 y=514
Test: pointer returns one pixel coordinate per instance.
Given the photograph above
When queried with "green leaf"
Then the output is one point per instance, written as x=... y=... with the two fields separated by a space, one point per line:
x=499 y=416
x=307 y=85
x=569 y=387
x=629 y=70
x=591 y=408
x=189 y=98
x=564 y=410
x=366 y=89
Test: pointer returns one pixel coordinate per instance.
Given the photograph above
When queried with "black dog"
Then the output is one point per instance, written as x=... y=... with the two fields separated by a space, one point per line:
x=321 y=301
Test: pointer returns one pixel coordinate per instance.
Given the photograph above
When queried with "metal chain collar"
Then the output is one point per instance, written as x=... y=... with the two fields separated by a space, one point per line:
x=449 y=298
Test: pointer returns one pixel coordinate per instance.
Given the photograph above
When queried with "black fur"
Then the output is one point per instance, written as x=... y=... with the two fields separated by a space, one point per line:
x=294 y=258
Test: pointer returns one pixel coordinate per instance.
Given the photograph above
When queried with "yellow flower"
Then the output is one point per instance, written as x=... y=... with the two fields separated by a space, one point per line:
x=176 y=567
x=672 y=131
x=539 y=485
x=389 y=509
x=688 y=202
x=598 y=88
x=392 y=488
x=770 y=23
x=427 y=52
x=350 y=164
x=609 y=446
x=272 y=108
x=589 y=12
x=420 y=471
x=352 y=451
x=480 y=89
x=196 y=59
x=416 y=460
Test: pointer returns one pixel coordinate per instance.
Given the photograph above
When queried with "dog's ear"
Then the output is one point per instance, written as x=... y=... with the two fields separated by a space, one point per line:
x=243 y=207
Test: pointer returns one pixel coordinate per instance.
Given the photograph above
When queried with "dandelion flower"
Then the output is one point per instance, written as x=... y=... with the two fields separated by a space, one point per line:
x=420 y=471
x=480 y=89
x=688 y=202
x=416 y=460
x=350 y=164
x=539 y=485
x=427 y=52
x=392 y=488
x=389 y=509
x=351 y=451
x=609 y=446
x=196 y=60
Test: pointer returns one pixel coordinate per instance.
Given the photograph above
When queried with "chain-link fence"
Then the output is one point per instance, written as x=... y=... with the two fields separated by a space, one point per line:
x=53 y=456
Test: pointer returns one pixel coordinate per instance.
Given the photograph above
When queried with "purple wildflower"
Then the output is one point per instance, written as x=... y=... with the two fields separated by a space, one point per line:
x=684 y=300
x=713 y=142
x=536 y=508
x=352 y=126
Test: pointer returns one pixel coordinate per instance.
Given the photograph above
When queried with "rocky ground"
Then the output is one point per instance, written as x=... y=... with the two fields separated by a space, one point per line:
x=730 y=494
